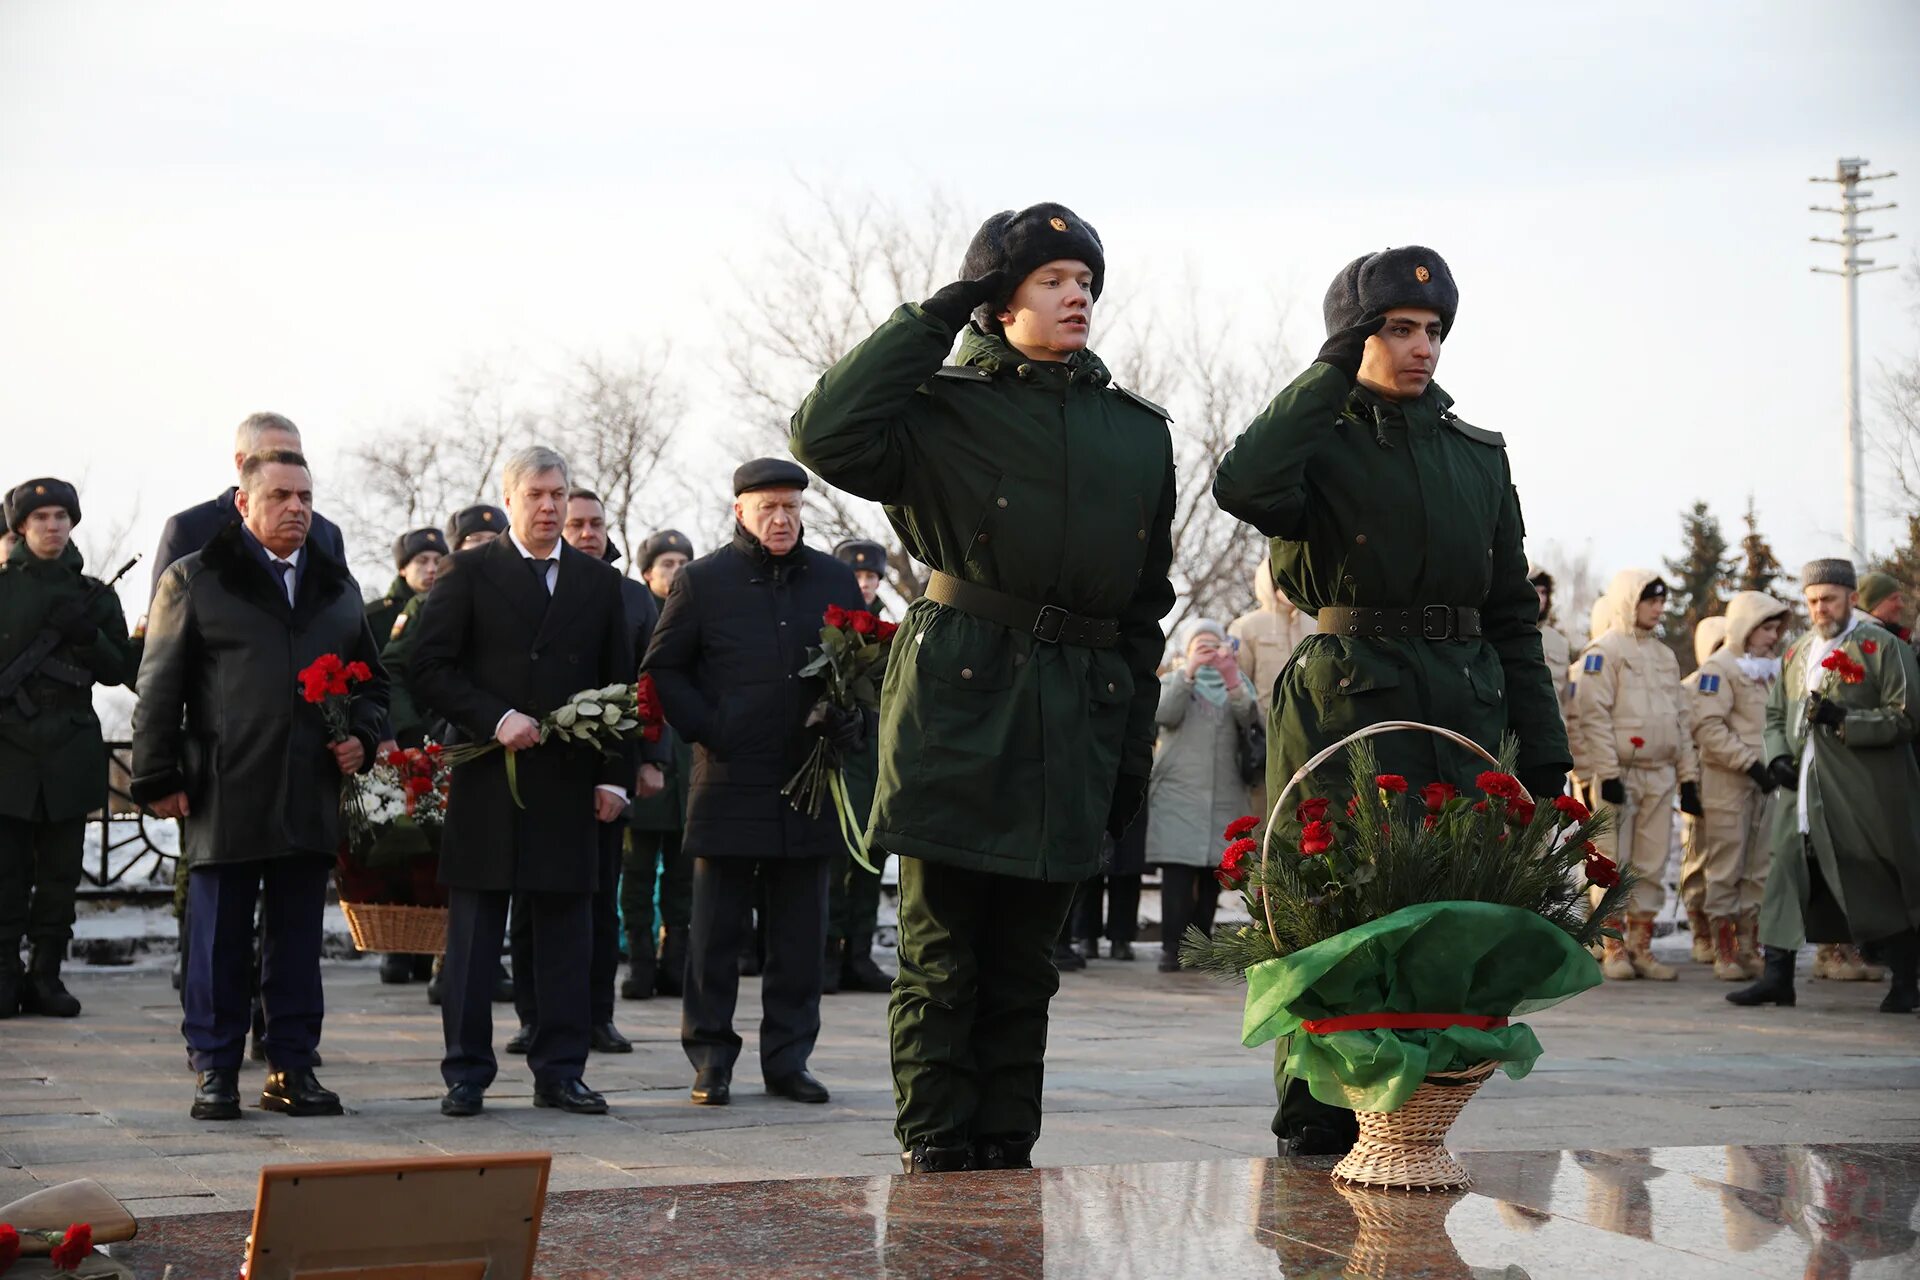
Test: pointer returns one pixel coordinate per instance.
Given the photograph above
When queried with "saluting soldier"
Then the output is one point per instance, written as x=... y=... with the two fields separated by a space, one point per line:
x=1397 y=525
x=1017 y=713
x=853 y=892
x=53 y=759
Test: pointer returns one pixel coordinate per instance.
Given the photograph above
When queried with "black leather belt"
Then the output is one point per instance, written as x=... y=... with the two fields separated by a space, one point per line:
x=1048 y=623
x=1425 y=622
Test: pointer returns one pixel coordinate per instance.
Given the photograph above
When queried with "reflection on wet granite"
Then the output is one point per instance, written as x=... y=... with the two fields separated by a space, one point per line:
x=1707 y=1212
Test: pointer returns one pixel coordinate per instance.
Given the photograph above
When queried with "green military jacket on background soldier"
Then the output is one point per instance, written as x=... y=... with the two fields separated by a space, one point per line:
x=396 y=645
x=53 y=765
x=1373 y=503
x=382 y=612
x=999 y=752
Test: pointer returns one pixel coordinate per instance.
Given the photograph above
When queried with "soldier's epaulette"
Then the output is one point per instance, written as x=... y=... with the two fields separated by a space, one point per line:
x=1144 y=403
x=1472 y=432
x=963 y=372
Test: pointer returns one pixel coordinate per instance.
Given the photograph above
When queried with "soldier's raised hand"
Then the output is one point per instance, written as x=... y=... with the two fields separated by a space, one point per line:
x=953 y=303
x=1344 y=349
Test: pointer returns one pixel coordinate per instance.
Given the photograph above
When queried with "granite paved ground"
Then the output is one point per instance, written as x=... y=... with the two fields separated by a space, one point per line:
x=1144 y=1067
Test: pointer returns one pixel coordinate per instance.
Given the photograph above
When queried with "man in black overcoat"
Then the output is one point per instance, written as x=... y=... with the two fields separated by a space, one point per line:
x=726 y=656
x=223 y=741
x=510 y=632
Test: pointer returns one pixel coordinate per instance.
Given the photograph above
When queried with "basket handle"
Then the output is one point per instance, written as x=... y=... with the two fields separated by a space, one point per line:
x=1327 y=753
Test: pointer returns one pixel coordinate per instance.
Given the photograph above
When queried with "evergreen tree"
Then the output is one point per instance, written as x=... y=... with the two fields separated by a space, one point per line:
x=1759 y=568
x=1696 y=582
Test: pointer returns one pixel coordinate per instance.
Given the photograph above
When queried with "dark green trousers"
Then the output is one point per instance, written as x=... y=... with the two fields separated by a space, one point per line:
x=39 y=879
x=853 y=896
x=968 y=1021
x=652 y=856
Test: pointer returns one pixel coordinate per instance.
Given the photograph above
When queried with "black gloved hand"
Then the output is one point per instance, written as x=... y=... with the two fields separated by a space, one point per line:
x=1344 y=349
x=1544 y=784
x=1783 y=771
x=1762 y=777
x=1613 y=791
x=845 y=728
x=1129 y=793
x=953 y=303
x=73 y=624
x=1822 y=711
x=1690 y=799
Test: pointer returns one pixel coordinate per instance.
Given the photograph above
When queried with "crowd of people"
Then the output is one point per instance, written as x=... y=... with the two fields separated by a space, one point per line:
x=1038 y=744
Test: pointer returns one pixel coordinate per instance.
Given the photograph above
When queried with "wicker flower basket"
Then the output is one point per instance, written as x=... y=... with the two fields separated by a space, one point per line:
x=408 y=930
x=1404 y=1148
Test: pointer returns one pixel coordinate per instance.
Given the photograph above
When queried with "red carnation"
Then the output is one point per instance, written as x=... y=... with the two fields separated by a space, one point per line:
x=1520 y=812
x=396 y=758
x=435 y=750
x=886 y=631
x=1480 y=806
x=1869 y=648
x=1602 y=870
x=1430 y=821
x=1353 y=805
x=835 y=616
x=1315 y=837
x=359 y=671
x=1240 y=827
x=1391 y=782
x=1637 y=743
x=1501 y=786
x=1436 y=795
x=1311 y=810
x=71 y=1251
x=1572 y=808
x=418 y=785
x=9 y=1246
x=1832 y=661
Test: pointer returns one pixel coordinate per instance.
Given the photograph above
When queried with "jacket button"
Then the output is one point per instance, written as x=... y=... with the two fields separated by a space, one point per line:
x=535 y=655
x=1142 y=535
x=1360 y=539
x=966 y=673
x=1025 y=371
x=1001 y=503
x=984 y=538
x=1345 y=681
x=1112 y=687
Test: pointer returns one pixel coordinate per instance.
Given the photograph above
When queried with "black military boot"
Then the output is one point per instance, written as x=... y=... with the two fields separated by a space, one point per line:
x=1776 y=981
x=1004 y=1151
x=216 y=1096
x=1903 y=962
x=858 y=972
x=396 y=968
x=830 y=968
x=436 y=982
x=639 y=982
x=12 y=978
x=924 y=1157
x=298 y=1093
x=45 y=994
x=671 y=977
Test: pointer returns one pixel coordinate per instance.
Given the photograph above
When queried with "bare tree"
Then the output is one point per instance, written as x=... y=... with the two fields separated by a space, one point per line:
x=1897 y=392
x=1576 y=585
x=615 y=422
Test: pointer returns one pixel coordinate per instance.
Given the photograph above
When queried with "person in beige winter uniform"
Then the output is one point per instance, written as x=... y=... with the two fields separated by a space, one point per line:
x=1633 y=749
x=1554 y=646
x=1708 y=635
x=1729 y=853
x=1268 y=636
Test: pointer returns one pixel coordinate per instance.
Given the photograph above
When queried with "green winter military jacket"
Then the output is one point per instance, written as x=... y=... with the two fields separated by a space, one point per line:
x=53 y=766
x=382 y=612
x=999 y=752
x=1373 y=503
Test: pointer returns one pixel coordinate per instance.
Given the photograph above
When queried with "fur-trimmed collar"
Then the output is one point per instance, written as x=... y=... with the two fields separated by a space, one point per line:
x=322 y=578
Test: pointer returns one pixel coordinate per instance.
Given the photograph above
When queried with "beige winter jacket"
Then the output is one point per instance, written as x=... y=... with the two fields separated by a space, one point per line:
x=1268 y=635
x=1729 y=706
x=1628 y=686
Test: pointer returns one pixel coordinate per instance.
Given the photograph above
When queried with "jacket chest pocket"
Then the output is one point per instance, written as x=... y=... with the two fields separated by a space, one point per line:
x=1346 y=685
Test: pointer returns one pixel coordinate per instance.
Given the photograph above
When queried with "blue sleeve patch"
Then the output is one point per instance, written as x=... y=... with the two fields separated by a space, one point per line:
x=1593 y=663
x=1709 y=683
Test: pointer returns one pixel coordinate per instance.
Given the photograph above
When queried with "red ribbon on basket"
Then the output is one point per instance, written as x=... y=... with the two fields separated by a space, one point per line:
x=1402 y=1022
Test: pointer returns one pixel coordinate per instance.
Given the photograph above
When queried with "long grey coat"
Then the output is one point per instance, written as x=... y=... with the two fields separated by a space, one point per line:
x=1196 y=788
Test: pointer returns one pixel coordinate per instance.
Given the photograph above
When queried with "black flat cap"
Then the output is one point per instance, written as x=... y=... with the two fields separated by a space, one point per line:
x=660 y=543
x=862 y=553
x=1375 y=283
x=768 y=473
x=415 y=541
x=35 y=494
x=476 y=519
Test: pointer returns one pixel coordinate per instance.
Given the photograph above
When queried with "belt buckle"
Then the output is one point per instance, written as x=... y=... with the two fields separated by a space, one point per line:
x=1048 y=624
x=1436 y=622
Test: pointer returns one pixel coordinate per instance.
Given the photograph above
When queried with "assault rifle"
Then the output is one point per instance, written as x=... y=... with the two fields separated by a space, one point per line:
x=37 y=654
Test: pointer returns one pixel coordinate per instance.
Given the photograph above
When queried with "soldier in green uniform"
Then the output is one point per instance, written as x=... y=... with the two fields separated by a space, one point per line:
x=654 y=867
x=1017 y=714
x=1398 y=525
x=416 y=560
x=853 y=892
x=53 y=760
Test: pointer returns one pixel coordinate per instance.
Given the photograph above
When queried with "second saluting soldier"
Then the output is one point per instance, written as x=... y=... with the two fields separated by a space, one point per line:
x=1017 y=718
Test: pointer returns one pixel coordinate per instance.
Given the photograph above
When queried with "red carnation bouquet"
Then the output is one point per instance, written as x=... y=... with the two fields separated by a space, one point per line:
x=851 y=661
x=391 y=854
x=66 y=1250
x=327 y=683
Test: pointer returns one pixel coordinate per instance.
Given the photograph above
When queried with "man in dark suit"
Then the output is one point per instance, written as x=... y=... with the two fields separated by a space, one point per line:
x=223 y=741
x=585 y=531
x=510 y=632
x=726 y=657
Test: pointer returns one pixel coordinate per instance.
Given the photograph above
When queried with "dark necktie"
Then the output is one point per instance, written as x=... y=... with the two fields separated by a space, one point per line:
x=543 y=569
x=285 y=570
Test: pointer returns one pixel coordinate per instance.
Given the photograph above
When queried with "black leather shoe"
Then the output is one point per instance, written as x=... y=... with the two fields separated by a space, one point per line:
x=1066 y=959
x=607 y=1039
x=858 y=972
x=298 y=1093
x=570 y=1095
x=1004 y=1151
x=799 y=1087
x=396 y=968
x=1312 y=1140
x=1169 y=961
x=712 y=1087
x=217 y=1096
x=1120 y=951
x=924 y=1157
x=464 y=1100
x=521 y=1039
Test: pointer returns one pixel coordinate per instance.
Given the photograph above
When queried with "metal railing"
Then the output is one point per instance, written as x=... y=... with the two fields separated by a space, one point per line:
x=126 y=841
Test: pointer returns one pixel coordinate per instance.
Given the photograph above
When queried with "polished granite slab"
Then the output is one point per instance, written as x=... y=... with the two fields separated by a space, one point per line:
x=1838 y=1210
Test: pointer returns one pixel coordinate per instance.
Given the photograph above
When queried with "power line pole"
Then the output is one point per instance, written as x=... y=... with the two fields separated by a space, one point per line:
x=1848 y=175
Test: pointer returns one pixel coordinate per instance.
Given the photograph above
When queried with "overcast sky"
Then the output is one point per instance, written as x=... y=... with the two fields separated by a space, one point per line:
x=329 y=210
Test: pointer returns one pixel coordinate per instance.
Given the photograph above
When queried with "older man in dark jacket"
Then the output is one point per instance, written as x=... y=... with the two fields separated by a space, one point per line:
x=726 y=659
x=223 y=740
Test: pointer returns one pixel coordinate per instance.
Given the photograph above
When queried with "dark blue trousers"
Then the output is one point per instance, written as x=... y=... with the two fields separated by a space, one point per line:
x=604 y=969
x=218 y=991
x=562 y=951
